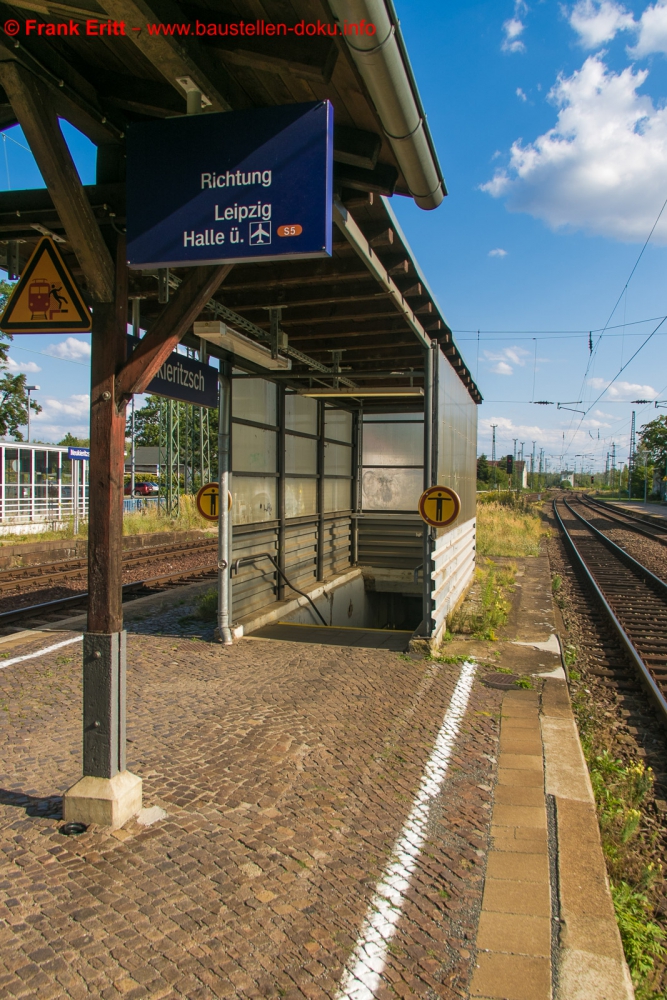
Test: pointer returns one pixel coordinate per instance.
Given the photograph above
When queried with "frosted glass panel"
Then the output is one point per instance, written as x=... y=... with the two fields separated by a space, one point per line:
x=300 y=497
x=393 y=444
x=391 y=489
x=254 y=499
x=301 y=414
x=253 y=449
x=254 y=399
x=300 y=455
x=337 y=494
x=338 y=425
x=337 y=460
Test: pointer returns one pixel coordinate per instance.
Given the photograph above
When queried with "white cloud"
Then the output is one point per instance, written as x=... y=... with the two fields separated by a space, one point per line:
x=520 y=94
x=652 y=31
x=498 y=252
x=16 y=367
x=598 y=21
x=623 y=390
x=502 y=368
x=59 y=416
x=70 y=349
x=602 y=167
x=515 y=355
x=512 y=29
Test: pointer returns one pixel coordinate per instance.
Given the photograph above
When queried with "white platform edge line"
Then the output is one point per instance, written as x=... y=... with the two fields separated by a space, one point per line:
x=40 y=652
x=361 y=977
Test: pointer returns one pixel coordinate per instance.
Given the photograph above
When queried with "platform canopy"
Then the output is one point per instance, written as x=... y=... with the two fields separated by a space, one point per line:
x=366 y=313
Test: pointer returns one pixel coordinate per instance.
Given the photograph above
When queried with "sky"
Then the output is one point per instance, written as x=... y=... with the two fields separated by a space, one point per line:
x=550 y=121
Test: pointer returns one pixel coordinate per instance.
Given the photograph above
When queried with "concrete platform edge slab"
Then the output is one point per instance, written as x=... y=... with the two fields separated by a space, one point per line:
x=591 y=963
x=108 y=802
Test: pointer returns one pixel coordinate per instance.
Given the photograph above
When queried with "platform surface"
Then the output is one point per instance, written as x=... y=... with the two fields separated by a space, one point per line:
x=280 y=780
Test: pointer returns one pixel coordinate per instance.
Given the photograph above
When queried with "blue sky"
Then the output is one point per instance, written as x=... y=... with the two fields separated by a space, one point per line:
x=551 y=127
x=570 y=208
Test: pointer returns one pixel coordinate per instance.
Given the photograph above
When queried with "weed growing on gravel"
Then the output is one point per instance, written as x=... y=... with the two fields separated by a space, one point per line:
x=507 y=531
x=488 y=608
x=619 y=792
x=556 y=583
x=642 y=938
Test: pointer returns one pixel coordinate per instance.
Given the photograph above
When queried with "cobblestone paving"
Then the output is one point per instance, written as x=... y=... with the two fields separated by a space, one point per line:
x=286 y=772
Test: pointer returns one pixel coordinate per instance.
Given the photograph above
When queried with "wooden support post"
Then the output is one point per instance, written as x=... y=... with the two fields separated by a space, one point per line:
x=107 y=458
x=107 y=793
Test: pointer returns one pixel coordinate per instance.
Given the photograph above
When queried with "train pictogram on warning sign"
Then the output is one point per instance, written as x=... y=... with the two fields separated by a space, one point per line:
x=46 y=299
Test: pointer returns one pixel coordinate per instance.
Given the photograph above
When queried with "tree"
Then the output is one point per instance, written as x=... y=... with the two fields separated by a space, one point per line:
x=653 y=440
x=69 y=441
x=146 y=423
x=483 y=469
x=13 y=394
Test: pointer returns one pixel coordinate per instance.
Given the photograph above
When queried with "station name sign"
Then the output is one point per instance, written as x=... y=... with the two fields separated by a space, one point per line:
x=83 y=454
x=231 y=186
x=183 y=378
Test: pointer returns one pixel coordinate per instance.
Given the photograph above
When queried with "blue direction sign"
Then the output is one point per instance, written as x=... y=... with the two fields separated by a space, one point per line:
x=81 y=453
x=183 y=378
x=234 y=186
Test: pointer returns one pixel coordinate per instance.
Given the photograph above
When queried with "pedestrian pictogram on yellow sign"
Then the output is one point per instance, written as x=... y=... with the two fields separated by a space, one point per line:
x=46 y=299
x=207 y=501
x=439 y=506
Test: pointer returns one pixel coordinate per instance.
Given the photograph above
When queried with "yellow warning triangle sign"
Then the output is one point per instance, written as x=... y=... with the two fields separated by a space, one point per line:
x=46 y=299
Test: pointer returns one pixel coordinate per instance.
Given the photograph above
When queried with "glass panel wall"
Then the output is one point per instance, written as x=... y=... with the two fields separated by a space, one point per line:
x=254 y=451
x=35 y=483
x=337 y=459
x=393 y=461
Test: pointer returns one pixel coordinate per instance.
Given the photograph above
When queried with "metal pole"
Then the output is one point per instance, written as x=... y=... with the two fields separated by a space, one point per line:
x=75 y=494
x=132 y=466
x=224 y=518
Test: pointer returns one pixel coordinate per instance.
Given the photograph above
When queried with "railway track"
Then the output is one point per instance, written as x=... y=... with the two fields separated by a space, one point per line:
x=47 y=574
x=647 y=526
x=633 y=599
x=50 y=613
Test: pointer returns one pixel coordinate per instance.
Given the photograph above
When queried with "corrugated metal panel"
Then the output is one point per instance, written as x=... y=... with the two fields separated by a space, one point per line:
x=454 y=559
x=394 y=542
x=301 y=554
x=255 y=584
x=337 y=545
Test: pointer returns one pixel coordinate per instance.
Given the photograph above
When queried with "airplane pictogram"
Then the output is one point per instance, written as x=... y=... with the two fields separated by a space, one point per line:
x=259 y=234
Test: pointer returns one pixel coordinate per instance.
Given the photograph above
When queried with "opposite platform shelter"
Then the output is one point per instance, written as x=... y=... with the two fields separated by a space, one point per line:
x=342 y=394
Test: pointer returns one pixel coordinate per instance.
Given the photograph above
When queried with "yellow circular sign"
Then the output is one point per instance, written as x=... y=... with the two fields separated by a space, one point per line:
x=439 y=506
x=207 y=501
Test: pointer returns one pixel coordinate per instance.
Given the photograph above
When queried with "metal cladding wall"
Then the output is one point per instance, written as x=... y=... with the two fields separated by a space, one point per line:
x=457 y=438
x=454 y=551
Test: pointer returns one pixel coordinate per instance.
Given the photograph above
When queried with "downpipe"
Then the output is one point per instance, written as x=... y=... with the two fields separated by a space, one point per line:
x=224 y=515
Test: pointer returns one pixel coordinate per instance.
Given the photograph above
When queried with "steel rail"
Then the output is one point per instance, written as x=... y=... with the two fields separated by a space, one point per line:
x=624 y=556
x=48 y=607
x=45 y=573
x=644 y=673
x=623 y=517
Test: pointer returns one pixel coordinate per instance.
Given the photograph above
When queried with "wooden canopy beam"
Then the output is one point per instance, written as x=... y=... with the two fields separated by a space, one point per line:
x=174 y=57
x=167 y=330
x=37 y=116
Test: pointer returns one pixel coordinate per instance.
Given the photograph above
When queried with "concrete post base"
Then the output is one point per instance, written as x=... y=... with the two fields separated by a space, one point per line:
x=108 y=802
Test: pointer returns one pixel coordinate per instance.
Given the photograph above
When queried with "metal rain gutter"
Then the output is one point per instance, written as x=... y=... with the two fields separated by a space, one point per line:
x=383 y=63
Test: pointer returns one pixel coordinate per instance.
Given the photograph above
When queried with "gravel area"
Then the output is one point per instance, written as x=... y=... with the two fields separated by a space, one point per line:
x=34 y=593
x=613 y=709
x=650 y=553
